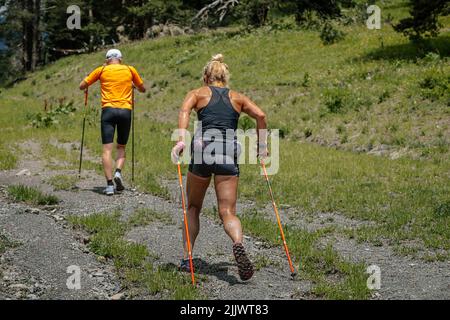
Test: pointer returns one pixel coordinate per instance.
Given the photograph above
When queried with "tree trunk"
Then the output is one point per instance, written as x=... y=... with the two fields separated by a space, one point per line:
x=36 y=34
x=91 y=21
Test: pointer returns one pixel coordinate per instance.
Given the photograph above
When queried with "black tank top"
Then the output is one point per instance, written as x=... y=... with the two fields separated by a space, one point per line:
x=219 y=113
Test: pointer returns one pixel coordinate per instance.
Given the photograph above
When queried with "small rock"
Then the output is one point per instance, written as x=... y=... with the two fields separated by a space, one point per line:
x=118 y=296
x=35 y=211
x=24 y=172
x=57 y=217
x=376 y=295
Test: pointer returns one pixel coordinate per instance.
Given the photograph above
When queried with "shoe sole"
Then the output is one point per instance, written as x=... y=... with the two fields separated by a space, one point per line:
x=119 y=184
x=185 y=268
x=245 y=267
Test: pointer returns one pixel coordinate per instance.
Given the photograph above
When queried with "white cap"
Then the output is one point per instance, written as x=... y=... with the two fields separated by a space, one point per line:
x=113 y=54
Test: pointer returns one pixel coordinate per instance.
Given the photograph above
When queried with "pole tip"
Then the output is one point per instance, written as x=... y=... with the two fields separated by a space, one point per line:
x=293 y=275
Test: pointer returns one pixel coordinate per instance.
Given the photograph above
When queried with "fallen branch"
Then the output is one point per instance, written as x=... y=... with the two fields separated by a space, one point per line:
x=222 y=7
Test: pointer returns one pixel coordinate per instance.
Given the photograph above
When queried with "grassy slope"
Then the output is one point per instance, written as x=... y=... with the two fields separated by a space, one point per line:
x=379 y=92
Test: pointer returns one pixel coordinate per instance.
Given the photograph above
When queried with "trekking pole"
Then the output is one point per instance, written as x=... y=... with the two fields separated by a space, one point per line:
x=186 y=227
x=84 y=126
x=293 y=273
x=132 y=136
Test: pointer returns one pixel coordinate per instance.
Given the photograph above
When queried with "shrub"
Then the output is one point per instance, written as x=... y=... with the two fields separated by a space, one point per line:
x=434 y=86
x=307 y=132
x=442 y=210
x=330 y=34
x=335 y=101
x=50 y=117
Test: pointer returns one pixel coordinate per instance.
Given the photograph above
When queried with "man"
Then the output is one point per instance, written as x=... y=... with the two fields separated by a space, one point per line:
x=117 y=82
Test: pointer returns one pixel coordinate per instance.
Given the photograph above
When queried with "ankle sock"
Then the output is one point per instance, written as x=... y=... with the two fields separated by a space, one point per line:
x=110 y=182
x=119 y=170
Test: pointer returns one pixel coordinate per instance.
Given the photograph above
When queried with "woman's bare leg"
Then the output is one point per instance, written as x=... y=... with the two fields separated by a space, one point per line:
x=196 y=188
x=226 y=190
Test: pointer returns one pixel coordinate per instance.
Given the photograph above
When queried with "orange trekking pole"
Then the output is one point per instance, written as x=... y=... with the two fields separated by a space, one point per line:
x=186 y=227
x=291 y=266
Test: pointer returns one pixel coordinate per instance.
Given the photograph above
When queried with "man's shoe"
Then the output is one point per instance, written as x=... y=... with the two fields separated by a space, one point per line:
x=109 y=190
x=118 y=181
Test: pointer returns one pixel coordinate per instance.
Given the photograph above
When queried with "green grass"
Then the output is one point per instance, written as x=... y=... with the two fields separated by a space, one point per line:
x=8 y=160
x=145 y=216
x=31 y=195
x=132 y=261
x=262 y=261
x=333 y=276
x=63 y=182
x=401 y=196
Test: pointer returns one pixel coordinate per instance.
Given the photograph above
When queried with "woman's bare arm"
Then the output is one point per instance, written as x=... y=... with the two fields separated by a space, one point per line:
x=184 y=115
x=255 y=112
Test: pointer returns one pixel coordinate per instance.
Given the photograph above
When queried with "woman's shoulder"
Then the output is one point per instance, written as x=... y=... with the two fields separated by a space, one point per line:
x=235 y=95
x=202 y=91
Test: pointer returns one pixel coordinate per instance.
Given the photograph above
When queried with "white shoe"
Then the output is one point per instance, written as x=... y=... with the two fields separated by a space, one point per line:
x=109 y=190
x=119 y=182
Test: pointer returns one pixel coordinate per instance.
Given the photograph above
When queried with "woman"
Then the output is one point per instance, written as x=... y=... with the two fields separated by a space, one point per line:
x=218 y=109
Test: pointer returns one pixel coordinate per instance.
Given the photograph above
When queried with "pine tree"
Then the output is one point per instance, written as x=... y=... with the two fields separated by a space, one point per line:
x=424 y=18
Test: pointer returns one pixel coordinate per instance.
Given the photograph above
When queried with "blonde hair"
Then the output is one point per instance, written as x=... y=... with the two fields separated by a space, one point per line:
x=216 y=71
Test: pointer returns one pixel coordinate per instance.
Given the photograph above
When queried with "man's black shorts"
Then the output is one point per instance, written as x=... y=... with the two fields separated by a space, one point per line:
x=112 y=118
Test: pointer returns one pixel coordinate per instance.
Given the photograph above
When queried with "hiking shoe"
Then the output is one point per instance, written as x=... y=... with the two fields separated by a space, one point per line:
x=109 y=190
x=245 y=267
x=118 y=181
x=185 y=266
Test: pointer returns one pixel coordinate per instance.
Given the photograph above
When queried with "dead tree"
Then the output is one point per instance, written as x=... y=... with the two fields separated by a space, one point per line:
x=220 y=7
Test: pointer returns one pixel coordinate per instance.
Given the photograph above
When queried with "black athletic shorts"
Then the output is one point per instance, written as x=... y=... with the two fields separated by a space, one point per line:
x=226 y=166
x=112 y=118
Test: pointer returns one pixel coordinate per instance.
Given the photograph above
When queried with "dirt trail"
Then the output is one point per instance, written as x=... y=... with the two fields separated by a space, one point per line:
x=36 y=269
x=48 y=247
